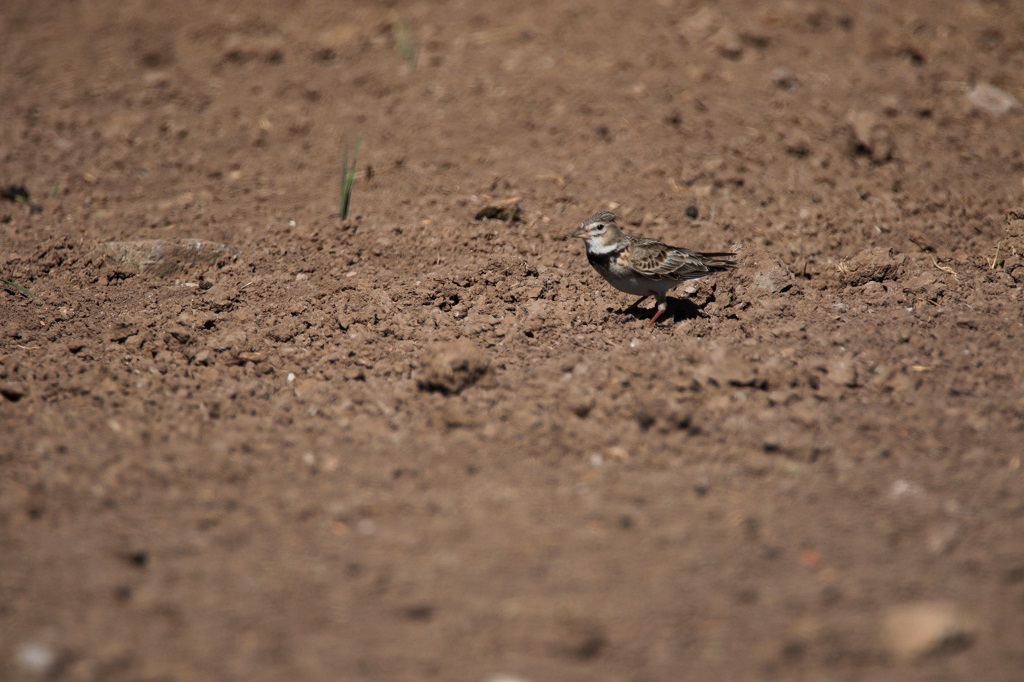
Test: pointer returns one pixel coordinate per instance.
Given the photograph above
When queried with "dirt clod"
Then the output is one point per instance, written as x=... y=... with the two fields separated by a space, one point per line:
x=871 y=265
x=508 y=210
x=449 y=368
x=871 y=136
x=166 y=257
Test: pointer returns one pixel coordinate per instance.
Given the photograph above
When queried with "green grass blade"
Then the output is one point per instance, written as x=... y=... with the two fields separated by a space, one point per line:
x=405 y=43
x=17 y=287
x=348 y=178
x=343 y=197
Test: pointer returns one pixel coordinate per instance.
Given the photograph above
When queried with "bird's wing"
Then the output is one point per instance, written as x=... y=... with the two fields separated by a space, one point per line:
x=656 y=260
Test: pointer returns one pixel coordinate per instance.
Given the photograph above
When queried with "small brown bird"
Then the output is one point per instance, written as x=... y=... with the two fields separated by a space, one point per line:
x=644 y=267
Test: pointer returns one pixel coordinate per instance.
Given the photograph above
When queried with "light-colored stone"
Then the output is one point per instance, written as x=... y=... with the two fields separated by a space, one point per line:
x=914 y=630
x=990 y=99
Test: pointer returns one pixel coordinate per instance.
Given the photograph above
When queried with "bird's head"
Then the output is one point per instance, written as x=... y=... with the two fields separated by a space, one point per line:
x=600 y=232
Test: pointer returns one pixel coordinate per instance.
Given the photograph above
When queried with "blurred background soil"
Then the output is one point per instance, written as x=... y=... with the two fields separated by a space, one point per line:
x=243 y=439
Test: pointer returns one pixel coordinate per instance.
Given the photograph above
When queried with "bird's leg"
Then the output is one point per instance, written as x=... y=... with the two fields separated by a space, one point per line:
x=662 y=307
x=636 y=303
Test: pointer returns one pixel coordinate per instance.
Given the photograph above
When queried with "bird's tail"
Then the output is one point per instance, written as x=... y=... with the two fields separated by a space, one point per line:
x=718 y=261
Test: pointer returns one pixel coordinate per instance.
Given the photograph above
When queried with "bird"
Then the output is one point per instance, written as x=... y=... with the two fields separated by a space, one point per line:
x=644 y=267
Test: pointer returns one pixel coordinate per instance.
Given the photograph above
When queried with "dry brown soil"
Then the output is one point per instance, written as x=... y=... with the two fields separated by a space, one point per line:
x=416 y=445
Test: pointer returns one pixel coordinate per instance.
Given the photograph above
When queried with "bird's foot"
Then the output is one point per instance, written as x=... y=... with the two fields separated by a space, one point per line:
x=656 y=316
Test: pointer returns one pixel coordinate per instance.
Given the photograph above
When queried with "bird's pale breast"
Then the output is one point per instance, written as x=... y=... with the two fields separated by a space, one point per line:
x=614 y=267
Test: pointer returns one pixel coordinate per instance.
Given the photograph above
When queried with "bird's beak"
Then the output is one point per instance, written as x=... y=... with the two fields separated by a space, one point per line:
x=579 y=233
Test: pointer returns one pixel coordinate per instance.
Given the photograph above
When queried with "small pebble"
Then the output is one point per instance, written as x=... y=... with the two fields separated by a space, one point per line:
x=926 y=628
x=842 y=372
x=990 y=99
x=902 y=488
x=36 y=658
x=617 y=452
x=784 y=79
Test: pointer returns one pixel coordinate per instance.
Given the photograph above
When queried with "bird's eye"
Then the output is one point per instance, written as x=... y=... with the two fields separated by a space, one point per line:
x=599 y=228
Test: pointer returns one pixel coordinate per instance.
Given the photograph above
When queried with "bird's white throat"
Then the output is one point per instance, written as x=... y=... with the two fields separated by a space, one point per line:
x=599 y=248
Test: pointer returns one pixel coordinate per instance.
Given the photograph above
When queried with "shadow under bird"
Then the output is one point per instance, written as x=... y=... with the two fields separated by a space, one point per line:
x=644 y=267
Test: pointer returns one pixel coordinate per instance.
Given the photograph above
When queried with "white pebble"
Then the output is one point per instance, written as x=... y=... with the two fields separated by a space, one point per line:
x=901 y=488
x=991 y=99
x=36 y=658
